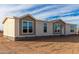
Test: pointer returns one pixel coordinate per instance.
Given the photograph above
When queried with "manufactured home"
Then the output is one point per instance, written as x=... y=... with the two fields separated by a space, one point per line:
x=27 y=26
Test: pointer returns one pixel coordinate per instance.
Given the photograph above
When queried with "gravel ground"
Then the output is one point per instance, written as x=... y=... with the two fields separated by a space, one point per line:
x=50 y=45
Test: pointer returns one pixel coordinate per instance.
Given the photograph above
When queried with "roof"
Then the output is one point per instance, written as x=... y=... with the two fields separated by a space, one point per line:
x=7 y=18
x=14 y=17
x=57 y=20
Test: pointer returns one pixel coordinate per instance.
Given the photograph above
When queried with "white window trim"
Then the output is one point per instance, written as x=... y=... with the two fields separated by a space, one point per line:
x=22 y=26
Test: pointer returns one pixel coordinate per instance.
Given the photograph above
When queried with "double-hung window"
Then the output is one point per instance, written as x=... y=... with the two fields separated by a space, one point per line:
x=27 y=27
x=57 y=27
x=45 y=27
x=72 y=27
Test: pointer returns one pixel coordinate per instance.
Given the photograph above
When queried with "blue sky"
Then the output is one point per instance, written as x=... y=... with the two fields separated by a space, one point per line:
x=67 y=12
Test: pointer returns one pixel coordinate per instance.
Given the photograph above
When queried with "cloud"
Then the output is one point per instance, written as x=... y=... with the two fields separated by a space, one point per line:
x=71 y=19
x=7 y=10
x=63 y=11
x=68 y=12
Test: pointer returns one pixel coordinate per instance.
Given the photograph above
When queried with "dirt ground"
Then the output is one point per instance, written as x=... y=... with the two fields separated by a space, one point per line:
x=50 y=45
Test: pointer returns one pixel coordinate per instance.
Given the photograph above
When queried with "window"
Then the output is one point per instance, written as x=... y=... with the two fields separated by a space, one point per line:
x=72 y=30
x=27 y=27
x=72 y=27
x=57 y=27
x=30 y=27
x=45 y=27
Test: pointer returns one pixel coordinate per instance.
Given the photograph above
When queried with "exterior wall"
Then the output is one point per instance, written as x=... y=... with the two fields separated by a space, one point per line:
x=9 y=27
x=62 y=27
x=18 y=27
x=63 y=30
x=40 y=27
x=77 y=32
x=12 y=28
x=67 y=31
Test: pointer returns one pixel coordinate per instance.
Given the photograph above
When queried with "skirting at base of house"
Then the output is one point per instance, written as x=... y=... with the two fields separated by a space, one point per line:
x=33 y=38
x=25 y=38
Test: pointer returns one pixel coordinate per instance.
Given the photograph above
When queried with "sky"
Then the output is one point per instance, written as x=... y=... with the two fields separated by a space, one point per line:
x=67 y=12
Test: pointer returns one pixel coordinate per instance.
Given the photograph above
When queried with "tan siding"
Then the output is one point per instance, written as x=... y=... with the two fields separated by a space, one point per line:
x=40 y=27
x=9 y=28
x=62 y=32
x=20 y=25
x=12 y=27
x=17 y=27
x=68 y=30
